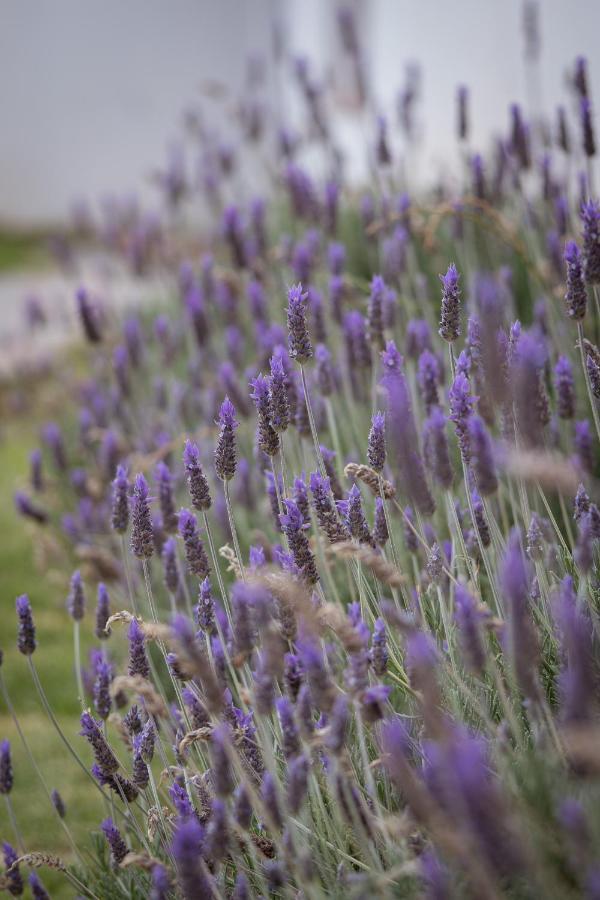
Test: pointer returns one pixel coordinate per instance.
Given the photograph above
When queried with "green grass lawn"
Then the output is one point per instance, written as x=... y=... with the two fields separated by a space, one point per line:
x=54 y=658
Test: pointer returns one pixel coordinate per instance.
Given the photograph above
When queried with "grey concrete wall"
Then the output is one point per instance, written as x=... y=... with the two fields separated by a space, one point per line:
x=91 y=90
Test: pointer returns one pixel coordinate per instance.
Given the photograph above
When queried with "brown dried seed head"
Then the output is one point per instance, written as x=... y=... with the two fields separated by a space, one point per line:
x=384 y=571
x=154 y=703
x=370 y=477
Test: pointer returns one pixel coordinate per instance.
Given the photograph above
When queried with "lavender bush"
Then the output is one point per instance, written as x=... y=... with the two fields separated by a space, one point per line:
x=341 y=521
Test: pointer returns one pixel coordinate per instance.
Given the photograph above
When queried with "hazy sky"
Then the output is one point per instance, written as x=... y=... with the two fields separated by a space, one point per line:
x=91 y=92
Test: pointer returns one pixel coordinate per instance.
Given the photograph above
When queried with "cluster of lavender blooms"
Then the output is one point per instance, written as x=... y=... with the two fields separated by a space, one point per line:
x=342 y=523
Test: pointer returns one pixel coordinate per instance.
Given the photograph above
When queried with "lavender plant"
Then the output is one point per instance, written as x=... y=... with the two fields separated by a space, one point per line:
x=367 y=662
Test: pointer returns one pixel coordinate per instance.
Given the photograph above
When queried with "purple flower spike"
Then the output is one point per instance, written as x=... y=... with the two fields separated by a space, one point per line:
x=587 y=128
x=325 y=509
x=266 y=436
x=118 y=847
x=578 y=682
x=91 y=730
x=196 y=479
x=38 y=891
x=6 y=772
x=450 y=318
x=469 y=619
x=381 y=533
x=521 y=637
x=391 y=360
x=435 y=447
x=120 y=501
x=76 y=598
x=170 y=569
x=225 y=451
x=195 y=554
x=565 y=388
x=576 y=296
x=484 y=466
x=161 y=883
x=89 y=316
x=297 y=782
x=138 y=661
x=463 y=112
x=379 y=652
x=279 y=403
x=142 y=536
x=26 y=507
x=355 y=518
x=164 y=480
x=186 y=848
x=36 y=477
x=58 y=803
x=590 y=216
x=376 y=442
x=143 y=743
x=404 y=444
x=14 y=880
x=292 y=523
x=375 y=313
x=299 y=343
x=26 y=633
x=461 y=409
x=221 y=768
x=101 y=690
x=429 y=379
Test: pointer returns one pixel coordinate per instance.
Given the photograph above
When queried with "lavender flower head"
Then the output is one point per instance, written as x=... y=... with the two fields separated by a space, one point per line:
x=293 y=526
x=279 y=402
x=450 y=317
x=590 y=216
x=225 y=450
x=565 y=388
x=120 y=501
x=375 y=313
x=484 y=466
x=355 y=518
x=88 y=316
x=14 y=879
x=118 y=847
x=38 y=891
x=299 y=343
x=461 y=409
x=267 y=437
x=91 y=730
x=166 y=499
x=376 y=442
x=6 y=771
x=26 y=634
x=195 y=554
x=142 y=535
x=576 y=295
x=404 y=444
x=197 y=483
x=76 y=598
x=391 y=360
x=138 y=661
x=435 y=447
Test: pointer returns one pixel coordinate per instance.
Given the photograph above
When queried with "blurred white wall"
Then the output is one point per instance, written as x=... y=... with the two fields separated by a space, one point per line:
x=91 y=92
